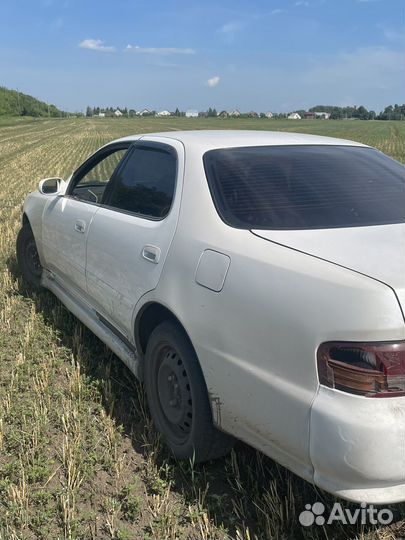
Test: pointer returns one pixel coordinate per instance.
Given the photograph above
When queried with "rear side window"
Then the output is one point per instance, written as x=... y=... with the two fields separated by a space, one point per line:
x=146 y=182
x=305 y=187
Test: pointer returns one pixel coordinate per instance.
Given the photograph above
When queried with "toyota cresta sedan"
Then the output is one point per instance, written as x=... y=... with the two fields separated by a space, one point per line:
x=254 y=282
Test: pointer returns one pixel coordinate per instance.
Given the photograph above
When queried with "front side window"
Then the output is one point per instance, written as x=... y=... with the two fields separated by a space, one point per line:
x=145 y=184
x=305 y=187
x=91 y=184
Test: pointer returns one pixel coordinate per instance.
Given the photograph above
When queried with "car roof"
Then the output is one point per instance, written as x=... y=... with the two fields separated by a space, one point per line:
x=211 y=139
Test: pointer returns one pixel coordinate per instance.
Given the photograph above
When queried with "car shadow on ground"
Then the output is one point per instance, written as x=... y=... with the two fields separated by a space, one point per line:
x=245 y=493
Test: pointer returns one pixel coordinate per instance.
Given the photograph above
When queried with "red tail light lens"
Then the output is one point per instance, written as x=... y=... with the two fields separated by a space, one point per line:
x=365 y=369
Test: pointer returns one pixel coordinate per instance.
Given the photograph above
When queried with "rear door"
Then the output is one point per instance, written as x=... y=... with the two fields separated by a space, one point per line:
x=67 y=219
x=131 y=233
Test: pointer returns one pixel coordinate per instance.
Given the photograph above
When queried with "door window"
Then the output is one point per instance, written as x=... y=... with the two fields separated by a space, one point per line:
x=92 y=182
x=145 y=184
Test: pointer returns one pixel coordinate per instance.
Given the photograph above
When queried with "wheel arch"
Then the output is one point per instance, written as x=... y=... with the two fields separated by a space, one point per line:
x=149 y=317
x=25 y=220
x=214 y=443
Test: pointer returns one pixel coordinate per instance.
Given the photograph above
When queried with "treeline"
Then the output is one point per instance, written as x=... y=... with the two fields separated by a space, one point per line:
x=14 y=103
x=109 y=111
x=392 y=112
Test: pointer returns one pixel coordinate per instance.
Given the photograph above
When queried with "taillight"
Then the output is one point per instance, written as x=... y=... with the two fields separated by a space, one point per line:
x=365 y=369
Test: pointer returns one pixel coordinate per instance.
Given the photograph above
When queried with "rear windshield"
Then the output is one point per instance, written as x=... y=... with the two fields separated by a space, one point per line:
x=305 y=187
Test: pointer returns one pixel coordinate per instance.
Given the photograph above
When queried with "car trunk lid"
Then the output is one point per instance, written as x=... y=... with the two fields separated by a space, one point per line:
x=376 y=251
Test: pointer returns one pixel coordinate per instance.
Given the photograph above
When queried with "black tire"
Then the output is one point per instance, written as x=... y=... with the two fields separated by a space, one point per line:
x=28 y=258
x=181 y=414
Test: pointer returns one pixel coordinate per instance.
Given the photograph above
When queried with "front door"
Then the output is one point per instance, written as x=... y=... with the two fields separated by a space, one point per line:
x=131 y=233
x=67 y=219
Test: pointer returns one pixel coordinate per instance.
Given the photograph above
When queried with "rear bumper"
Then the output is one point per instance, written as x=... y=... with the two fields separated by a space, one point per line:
x=357 y=446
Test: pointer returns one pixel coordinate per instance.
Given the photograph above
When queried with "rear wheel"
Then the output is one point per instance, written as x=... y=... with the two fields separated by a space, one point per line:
x=28 y=258
x=178 y=398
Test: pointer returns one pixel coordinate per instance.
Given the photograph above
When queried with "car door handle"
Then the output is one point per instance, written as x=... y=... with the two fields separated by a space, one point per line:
x=151 y=254
x=80 y=226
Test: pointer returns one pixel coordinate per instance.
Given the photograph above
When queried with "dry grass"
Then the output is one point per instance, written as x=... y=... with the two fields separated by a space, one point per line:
x=78 y=455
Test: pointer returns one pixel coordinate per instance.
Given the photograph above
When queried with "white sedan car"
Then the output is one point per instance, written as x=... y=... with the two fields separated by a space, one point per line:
x=255 y=283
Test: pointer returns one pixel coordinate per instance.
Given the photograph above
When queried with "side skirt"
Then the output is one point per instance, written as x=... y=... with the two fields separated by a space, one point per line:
x=96 y=323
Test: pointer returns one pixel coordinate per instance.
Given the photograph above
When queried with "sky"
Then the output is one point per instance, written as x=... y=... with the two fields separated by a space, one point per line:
x=274 y=55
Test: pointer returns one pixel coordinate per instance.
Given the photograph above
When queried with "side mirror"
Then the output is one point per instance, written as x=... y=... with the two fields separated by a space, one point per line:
x=50 y=186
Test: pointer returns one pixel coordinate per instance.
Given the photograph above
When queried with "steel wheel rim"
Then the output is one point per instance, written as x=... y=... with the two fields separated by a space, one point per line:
x=32 y=258
x=174 y=393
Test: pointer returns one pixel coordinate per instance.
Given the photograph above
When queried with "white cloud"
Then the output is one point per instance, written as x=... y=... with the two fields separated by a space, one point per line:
x=302 y=3
x=277 y=11
x=394 y=36
x=159 y=50
x=214 y=81
x=367 y=1
x=368 y=74
x=231 y=27
x=95 y=45
x=230 y=30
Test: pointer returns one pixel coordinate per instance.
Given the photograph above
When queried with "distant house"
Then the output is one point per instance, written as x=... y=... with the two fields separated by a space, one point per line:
x=235 y=113
x=223 y=114
x=101 y=115
x=268 y=114
x=253 y=114
x=310 y=116
x=163 y=113
x=191 y=113
x=144 y=112
x=294 y=116
x=323 y=115
x=117 y=113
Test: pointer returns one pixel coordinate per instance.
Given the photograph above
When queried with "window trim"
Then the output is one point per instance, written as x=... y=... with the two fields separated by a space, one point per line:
x=136 y=145
x=93 y=161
